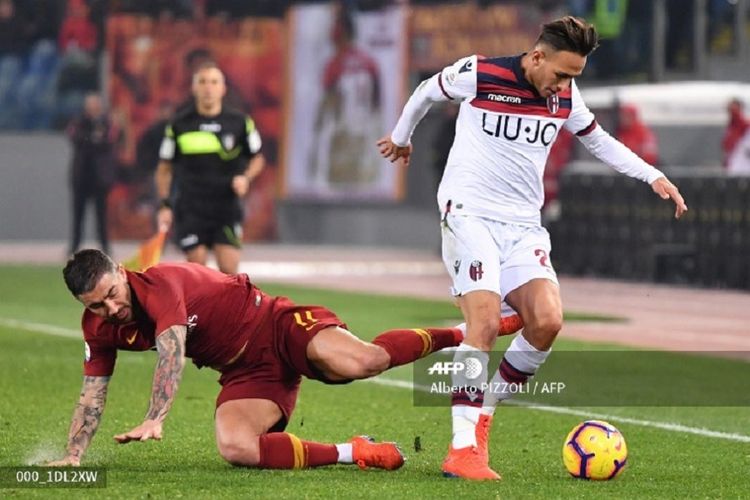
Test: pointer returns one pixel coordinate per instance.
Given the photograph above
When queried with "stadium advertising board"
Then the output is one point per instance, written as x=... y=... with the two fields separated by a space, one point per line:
x=346 y=83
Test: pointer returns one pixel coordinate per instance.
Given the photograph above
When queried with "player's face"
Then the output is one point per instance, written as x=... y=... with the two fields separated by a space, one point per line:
x=110 y=298
x=209 y=87
x=552 y=71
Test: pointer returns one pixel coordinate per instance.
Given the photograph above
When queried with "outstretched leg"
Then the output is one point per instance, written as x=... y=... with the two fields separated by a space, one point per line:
x=243 y=439
x=339 y=355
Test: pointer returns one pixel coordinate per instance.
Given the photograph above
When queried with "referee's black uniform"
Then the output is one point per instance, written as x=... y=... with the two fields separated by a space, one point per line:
x=207 y=152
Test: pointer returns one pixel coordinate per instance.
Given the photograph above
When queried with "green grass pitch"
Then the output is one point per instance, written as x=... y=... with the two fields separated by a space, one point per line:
x=41 y=377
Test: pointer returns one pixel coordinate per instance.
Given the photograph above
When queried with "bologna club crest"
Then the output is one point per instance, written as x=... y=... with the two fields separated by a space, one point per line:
x=475 y=271
x=553 y=104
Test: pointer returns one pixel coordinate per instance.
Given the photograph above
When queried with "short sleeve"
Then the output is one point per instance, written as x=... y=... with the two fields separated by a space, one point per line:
x=254 y=142
x=168 y=145
x=581 y=120
x=98 y=361
x=162 y=299
x=459 y=80
x=99 y=353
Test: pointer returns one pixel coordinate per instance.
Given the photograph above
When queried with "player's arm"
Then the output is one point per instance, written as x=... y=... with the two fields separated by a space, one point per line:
x=163 y=179
x=170 y=345
x=453 y=83
x=85 y=421
x=256 y=163
x=622 y=159
x=617 y=155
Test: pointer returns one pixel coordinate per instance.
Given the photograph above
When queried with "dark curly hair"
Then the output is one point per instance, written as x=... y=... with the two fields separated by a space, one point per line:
x=84 y=270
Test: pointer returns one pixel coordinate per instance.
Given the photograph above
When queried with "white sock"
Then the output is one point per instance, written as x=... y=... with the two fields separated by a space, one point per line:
x=523 y=357
x=462 y=328
x=465 y=420
x=345 y=453
x=465 y=417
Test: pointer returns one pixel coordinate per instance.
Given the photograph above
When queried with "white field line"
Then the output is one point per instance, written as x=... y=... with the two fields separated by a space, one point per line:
x=404 y=384
x=269 y=270
x=42 y=328
x=667 y=426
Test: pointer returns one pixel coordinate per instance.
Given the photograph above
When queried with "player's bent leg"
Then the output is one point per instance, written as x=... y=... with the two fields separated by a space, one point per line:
x=540 y=306
x=340 y=356
x=467 y=456
x=481 y=310
x=239 y=425
x=243 y=440
x=538 y=301
x=198 y=254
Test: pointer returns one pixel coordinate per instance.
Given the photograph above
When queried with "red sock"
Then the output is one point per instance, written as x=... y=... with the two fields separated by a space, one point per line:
x=281 y=450
x=406 y=346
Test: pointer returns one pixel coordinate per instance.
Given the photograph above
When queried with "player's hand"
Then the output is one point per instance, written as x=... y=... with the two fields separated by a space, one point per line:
x=666 y=190
x=69 y=461
x=392 y=152
x=240 y=185
x=149 y=429
x=164 y=218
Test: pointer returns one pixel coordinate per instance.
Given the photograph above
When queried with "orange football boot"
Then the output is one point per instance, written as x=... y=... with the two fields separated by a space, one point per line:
x=468 y=463
x=367 y=453
x=483 y=436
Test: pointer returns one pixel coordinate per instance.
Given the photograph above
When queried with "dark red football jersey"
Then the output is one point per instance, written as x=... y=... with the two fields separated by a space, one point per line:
x=222 y=313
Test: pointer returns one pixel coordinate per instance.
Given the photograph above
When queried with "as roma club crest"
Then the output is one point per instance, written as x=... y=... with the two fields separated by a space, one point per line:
x=553 y=104
x=475 y=271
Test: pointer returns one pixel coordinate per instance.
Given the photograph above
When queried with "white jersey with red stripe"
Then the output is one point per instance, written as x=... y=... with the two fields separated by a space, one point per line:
x=504 y=132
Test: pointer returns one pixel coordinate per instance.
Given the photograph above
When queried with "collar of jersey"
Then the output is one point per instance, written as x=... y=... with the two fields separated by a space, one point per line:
x=518 y=70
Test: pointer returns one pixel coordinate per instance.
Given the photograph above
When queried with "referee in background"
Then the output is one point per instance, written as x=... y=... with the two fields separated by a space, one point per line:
x=212 y=154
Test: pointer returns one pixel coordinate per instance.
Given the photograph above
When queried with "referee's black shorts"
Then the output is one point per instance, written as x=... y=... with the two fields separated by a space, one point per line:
x=208 y=224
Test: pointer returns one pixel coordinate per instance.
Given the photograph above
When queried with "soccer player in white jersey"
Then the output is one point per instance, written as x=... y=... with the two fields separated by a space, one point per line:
x=511 y=110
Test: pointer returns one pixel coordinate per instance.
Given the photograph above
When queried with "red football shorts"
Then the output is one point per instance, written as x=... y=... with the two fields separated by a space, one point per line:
x=272 y=365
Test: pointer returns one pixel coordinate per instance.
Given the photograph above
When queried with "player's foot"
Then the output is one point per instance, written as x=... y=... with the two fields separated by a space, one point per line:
x=367 y=453
x=483 y=436
x=510 y=325
x=468 y=463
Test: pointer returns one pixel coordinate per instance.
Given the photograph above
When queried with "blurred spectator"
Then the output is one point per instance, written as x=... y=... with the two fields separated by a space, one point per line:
x=92 y=173
x=44 y=18
x=679 y=42
x=609 y=18
x=12 y=30
x=77 y=30
x=636 y=135
x=739 y=160
x=738 y=125
x=147 y=150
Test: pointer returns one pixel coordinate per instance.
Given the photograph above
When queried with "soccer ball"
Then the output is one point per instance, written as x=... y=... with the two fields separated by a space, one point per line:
x=594 y=450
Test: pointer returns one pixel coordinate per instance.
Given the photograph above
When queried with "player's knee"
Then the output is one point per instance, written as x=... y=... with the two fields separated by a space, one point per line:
x=482 y=332
x=548 y=324
x=370 y=361
x=244 y=453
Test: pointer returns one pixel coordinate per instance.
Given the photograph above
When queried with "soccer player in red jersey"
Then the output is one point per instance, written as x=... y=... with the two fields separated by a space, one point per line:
x=260 y=344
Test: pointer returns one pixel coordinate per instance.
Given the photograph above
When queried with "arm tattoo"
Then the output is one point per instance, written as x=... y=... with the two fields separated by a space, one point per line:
x=87 y=414
x=171 y=347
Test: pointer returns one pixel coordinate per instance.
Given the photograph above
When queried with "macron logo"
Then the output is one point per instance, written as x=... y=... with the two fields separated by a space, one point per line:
x=504 y=98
